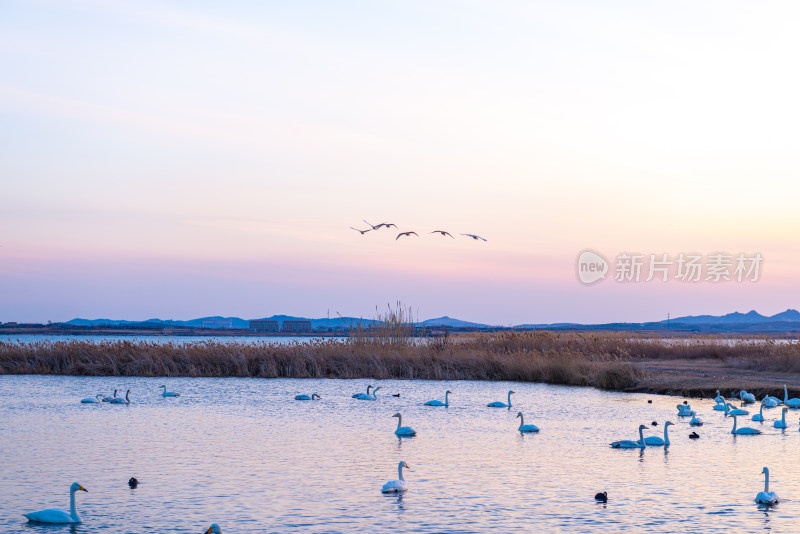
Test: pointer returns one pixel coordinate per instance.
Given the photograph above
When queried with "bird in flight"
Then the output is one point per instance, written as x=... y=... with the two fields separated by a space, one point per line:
x=401 y=234
x=475 y=237
x=378 y=226
x=362 y=231
x=443 y=233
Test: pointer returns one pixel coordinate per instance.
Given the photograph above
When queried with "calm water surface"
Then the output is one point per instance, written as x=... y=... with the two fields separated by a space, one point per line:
x=243 y=453
x=161 y=340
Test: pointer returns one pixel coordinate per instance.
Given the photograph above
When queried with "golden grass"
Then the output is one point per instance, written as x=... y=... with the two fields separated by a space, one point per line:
x=602 y=360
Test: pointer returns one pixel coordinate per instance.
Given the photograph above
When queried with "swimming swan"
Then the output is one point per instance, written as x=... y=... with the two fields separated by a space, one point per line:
x=732 y=410
x=655 y=441
x=771 y=402
x=120 y=400
x=695 y=420
x=403 y=430
x=438 y=402
x=523 y=428
x=54 y=515
x=791 y=403
x=306 y=397
x=373 y=396
x=93 y=400
x=362 y=396
x=109 y=399
x=760 y=415
x=747 y=398
x=744 y=429
x=498 y=404
x=767 y=496
x=214 y=529
x=397 y=486
x=782 y=422
x=166 y=393
x=628 y=444
x=684 y=410
x=719 y=398
x=721 y=406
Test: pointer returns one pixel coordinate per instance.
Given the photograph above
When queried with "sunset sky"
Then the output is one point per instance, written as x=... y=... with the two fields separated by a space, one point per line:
x=178 y=159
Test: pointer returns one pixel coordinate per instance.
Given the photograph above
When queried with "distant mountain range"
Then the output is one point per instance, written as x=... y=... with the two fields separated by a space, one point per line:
x=236 y=322
x=751 y=321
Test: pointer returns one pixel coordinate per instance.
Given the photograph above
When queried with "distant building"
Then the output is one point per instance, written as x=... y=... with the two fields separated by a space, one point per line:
x=216 y=323
x=263 y=326
x=296 y=326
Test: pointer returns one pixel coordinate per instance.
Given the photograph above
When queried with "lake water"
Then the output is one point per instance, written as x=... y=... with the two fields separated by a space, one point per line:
x=161 y=340
x=244 y=454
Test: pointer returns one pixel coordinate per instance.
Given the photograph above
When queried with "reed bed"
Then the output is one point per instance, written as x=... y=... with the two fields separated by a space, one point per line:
x=602 y=360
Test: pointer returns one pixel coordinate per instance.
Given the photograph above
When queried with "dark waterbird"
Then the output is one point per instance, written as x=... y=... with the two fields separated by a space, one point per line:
x=694 y=435
x=602 y=497
x=133 y=482
x=654 y=423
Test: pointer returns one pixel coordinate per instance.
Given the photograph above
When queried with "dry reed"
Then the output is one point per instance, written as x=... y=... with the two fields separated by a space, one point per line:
x=602 y=360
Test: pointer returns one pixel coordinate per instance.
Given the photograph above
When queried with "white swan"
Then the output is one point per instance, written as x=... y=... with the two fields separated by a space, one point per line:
x=403 y=430
x=498 y=404
x=684 y=410
x=53 y=515
x=629 y=444
x=760 y=415
x=306 y=397
x=523 y=428
x=374 y=395
x=732 y=410
x=362 y=396
x=771 y=402
x=214 y=529
x=695 y=420
x=791 y=403
x=110 y=399
x=655 y=441
x=767 y=496
x=744 y=429
x=93 y=400
x=747 y=398
x=397 y=486
x=721 y=406
x=719 y=399
x=782 y=422
x=166 y=393
x=438 y=402
x=120 y=400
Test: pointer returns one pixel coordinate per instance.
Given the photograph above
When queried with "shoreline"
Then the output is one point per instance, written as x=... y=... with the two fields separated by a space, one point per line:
x=668 y=377
x=701 y=379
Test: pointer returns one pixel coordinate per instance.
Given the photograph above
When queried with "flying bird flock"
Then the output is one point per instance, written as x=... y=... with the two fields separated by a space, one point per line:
x=442 y=233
